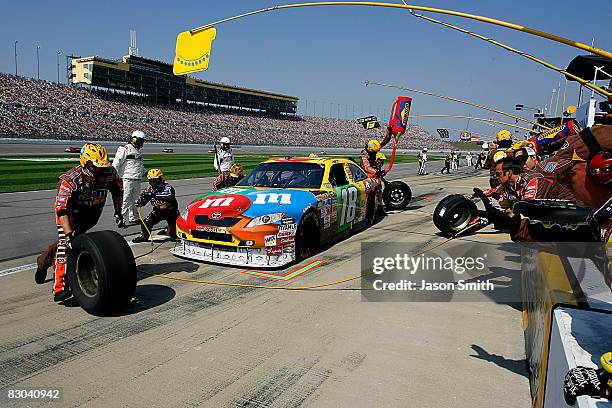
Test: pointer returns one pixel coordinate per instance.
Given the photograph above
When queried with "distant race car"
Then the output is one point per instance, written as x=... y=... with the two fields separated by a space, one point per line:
x=282 y=211
x=167 y=150
x=72 y=149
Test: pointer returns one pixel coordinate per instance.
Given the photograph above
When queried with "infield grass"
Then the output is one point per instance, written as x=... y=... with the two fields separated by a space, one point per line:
x=27 y=173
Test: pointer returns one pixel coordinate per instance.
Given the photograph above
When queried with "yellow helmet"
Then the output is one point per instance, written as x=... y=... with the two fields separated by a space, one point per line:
x=504 y=134
x=498 y=156
x=374 y=145
x=94 y=153
x=155 y=174
x=313 y=155
x=236 y=170
x=381 y=156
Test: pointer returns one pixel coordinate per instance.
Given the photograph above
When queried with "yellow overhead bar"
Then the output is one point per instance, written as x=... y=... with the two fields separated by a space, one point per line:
x=460 y=101
x=547 y=64
x=193 y=46
x=477 y=119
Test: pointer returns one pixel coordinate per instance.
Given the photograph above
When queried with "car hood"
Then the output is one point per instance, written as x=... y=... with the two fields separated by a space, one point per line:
x=253 y=202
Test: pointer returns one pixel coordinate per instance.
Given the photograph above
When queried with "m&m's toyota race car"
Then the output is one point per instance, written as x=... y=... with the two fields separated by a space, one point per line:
x=282 y=211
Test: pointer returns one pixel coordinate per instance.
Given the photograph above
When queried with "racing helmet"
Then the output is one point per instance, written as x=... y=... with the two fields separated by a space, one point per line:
x=155 y=174
x=373 y=145
x=503 y=134
x=138 y=134
x=600 y=167
x=498 y=156
x=94 y=153
x=313 y=155
x=224 y=140
x=381 y=156
x=236 y=170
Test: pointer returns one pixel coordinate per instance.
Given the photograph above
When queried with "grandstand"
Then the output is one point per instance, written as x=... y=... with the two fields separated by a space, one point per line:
x=38 y=109
x=154 y=80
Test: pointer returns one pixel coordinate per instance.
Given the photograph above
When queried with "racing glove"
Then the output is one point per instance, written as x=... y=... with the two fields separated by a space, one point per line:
x=586 y=381
x=69 y=238
x=498 y=217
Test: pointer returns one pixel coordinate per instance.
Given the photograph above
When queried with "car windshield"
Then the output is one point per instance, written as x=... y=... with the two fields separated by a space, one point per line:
x=285 y=175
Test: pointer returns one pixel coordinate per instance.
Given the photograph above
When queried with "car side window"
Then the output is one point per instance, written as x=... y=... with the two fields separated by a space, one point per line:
x=337 y=176
x=357 y=173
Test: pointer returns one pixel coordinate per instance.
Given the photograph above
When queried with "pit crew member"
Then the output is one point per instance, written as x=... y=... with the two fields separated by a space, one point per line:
x=78 y=205
x=368 y=155
x=165 y=207
x=229 y=178
x=129 y=163
x=224 y=158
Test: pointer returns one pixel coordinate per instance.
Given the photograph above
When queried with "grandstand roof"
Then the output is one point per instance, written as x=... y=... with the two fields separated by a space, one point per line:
x=155 y=79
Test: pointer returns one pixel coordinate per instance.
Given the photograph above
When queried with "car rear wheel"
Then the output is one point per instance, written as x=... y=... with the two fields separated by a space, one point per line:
x=397 y=195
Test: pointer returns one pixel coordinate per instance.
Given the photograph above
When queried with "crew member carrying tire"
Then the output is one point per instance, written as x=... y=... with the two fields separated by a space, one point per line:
x=165 y=207
x=230 y=178
x=368 y=156
x=78 y=205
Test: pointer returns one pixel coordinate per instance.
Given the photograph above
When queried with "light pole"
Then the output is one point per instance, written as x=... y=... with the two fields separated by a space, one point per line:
x=37 y=62
x=16 y=57
x=58 y=77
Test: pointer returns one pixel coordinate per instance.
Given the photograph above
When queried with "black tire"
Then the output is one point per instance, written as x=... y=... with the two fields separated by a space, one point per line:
x=101 y=272
x=553 y=212
x=397 y=195
x=436 y=214
x=307 y=236
x=453 y=214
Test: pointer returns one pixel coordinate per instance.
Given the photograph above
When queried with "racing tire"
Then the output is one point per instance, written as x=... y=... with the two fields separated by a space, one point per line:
x=453 y=214
x=397 y=195
x=307 y=236
x=101 y=272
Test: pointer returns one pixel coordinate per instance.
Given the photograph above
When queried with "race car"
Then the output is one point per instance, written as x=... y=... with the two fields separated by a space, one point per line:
x=72 y=149
x=282 y=211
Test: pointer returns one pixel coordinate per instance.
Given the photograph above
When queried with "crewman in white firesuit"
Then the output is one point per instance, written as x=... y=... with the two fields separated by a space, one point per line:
x=129 y=163
x=224 y=158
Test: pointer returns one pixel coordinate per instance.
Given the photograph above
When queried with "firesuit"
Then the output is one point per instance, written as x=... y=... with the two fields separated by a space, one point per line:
x=165 y=207
x=81 y=196
x=368 y=156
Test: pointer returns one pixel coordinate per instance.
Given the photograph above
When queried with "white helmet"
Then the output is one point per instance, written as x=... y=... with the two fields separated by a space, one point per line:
x=424 y=149
x=485 y=146
x=224 y=140
x=139 y=134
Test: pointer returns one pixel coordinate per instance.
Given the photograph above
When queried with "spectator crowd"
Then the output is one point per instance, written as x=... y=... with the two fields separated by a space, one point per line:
x=38 y=109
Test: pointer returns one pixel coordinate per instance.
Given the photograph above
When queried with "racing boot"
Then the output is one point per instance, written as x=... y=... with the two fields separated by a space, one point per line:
x=62 y=295
x=139 y=239
x=41 y=275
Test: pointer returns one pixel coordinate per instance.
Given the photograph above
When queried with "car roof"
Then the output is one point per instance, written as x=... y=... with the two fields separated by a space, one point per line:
x=316 y=160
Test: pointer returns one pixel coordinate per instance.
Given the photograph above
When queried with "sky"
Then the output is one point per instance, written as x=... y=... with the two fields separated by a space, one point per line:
x=324 y=55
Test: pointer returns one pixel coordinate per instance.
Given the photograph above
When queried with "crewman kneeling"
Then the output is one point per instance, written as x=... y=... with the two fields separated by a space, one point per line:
x=165 y=207
x=229 y=178
x=80 y=199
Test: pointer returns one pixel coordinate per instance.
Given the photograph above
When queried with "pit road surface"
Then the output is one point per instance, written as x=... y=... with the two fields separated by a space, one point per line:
x=186 y=344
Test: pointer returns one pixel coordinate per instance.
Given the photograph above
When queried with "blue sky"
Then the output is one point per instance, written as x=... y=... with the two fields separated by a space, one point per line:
x=325 y=54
